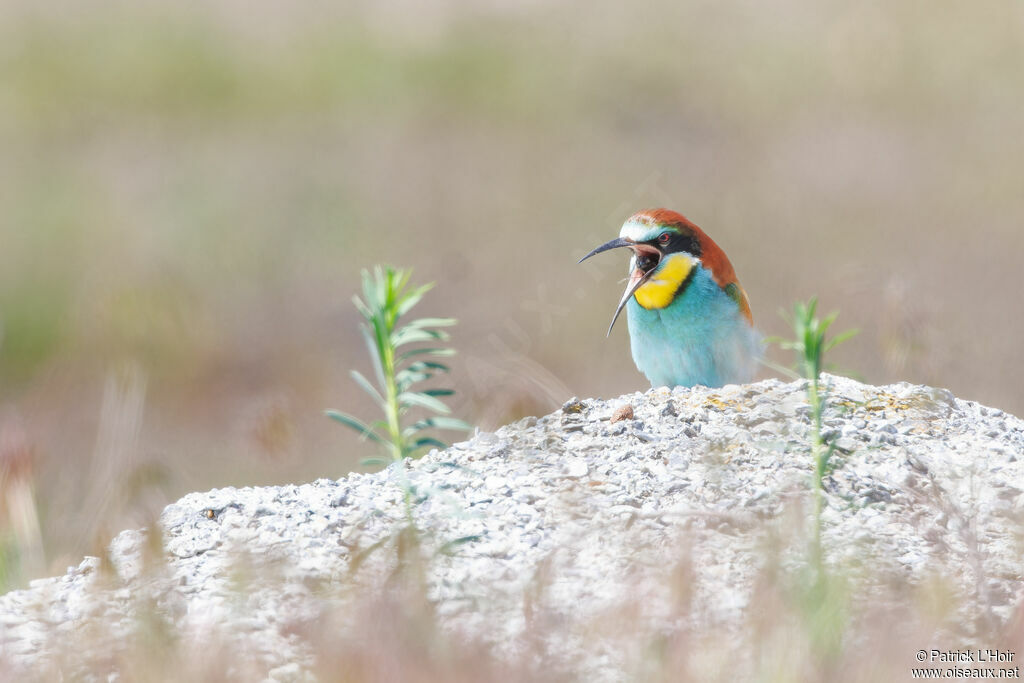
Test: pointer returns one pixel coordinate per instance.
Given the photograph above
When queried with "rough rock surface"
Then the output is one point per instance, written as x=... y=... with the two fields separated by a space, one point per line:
x=923 y=484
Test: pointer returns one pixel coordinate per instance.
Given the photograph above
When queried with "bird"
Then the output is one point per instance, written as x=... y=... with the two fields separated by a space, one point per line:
x=689 y=319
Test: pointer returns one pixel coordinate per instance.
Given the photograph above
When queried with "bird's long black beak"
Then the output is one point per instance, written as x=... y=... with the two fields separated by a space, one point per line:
x=614 y=244
x=636 y=280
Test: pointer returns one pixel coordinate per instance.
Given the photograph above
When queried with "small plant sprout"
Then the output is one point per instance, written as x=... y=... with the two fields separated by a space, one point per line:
x=810 y=344
x=824 y=597
x=400 y=362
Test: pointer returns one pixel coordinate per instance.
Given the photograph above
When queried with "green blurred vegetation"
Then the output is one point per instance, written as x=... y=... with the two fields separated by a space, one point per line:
x=194 y=188
x=398 y=367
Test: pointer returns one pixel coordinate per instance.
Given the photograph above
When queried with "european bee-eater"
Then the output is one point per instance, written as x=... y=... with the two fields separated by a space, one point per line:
x=689 y=318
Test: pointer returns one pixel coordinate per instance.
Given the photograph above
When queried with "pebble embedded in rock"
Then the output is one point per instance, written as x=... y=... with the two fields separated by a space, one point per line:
x=623 y=413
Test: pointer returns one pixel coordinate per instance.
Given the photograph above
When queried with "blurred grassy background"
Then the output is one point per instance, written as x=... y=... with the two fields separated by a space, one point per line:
x=188 y=192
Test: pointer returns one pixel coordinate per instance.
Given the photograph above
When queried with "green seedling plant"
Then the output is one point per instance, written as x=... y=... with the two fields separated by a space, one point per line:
x=403 y=358
x=823 y=595
x=810 y=343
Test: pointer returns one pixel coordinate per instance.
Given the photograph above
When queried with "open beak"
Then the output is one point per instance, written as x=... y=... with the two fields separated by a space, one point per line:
x=645 y=262
x=614 y=244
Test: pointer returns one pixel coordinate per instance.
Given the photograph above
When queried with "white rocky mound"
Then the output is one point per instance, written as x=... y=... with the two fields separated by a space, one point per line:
x=583 y=515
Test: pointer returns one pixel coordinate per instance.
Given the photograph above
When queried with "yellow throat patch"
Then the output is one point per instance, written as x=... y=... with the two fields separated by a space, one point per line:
x=660 y=290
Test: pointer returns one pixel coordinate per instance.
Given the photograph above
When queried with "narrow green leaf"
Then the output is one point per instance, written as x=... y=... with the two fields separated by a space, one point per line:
x=827 y=321
x=365 y=385
x=401 y=279
x=440 y=422
x=368 y=297
x=411 y=335
x=380 y=333
x=411 y=399
x=362 y=308
x=432 y=322
x=452 y=423
x=418 y=372
x=428 y=441
x=371 y=348
x=422 y=365
x=413 y=298
x=375 y=461
x=439 y=392
x=840 y=338
x=355 y=424
x=404 y=380
x=425 y=351
x=371 y=294
x=382 y=285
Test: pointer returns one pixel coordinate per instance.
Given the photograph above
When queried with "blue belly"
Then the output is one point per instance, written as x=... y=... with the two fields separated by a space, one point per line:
x=700 y=338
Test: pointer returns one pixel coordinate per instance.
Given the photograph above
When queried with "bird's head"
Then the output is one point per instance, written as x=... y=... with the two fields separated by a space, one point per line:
x=667 y=250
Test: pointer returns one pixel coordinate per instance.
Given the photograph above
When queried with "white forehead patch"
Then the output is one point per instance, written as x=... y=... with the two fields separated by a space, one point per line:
x=639 y=230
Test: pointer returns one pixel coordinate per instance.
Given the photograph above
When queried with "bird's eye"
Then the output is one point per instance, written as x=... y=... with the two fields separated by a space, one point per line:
x=664 y=237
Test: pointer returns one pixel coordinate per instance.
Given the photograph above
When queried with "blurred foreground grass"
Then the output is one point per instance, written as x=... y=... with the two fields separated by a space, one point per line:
x=187 y=193
x=378 y=622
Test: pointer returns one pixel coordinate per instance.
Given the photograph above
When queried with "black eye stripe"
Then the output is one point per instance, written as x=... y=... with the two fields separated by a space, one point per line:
x=678 y=241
